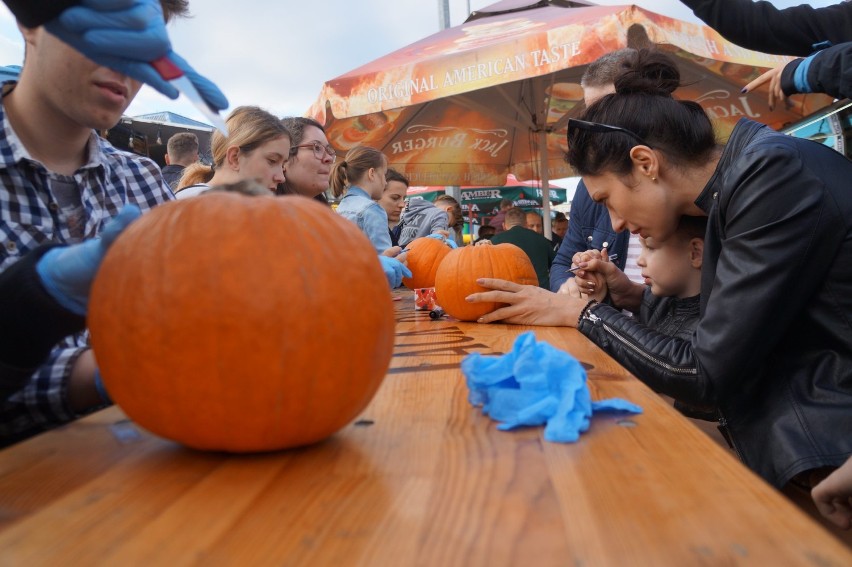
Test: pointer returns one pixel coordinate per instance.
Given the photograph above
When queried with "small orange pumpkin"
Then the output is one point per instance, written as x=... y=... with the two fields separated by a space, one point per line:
x=213 y=319
x=456 y=278
x=425 y=256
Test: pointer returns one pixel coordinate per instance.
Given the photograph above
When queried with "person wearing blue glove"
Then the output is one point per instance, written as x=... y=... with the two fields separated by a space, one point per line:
x=394 y=271
x=61 y=182
x=43 y=298
x=67 y=272
x=443 y=238
x=124 y=35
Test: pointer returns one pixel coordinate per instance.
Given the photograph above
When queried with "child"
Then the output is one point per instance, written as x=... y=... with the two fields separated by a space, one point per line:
x=671 y=302
x=455 y=218
x=360 y=178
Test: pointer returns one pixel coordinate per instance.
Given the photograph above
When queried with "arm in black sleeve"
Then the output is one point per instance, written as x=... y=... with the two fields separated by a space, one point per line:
x=666 y=364
x=31 y=322
x=763 y=27
x=33 y=13
x=829 y=72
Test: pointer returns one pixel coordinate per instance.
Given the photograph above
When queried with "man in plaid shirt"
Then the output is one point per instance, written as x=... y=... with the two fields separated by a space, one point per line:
x=60 y=182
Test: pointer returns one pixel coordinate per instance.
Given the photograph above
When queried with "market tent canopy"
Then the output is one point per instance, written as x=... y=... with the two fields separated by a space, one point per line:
x=461 y=107
x=471 y=103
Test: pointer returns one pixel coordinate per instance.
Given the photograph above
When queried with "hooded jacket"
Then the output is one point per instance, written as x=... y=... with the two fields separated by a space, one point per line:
x=421 y=218
x=773 y=346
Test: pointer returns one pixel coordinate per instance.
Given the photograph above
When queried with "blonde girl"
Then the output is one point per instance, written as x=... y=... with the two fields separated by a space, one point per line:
x=256 y=149
x=360 y=179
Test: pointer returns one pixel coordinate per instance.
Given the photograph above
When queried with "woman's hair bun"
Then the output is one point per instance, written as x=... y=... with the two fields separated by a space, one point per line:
x=649 y=71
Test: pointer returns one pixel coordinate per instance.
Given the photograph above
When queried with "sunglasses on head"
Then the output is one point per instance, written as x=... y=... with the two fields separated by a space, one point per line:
x=602 y=129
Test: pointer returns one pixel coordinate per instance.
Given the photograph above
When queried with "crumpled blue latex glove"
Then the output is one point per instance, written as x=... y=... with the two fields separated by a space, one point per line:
x=394 y=270
x=448 y=241
x=67 y=272
x=536 y=384
x=126 y=35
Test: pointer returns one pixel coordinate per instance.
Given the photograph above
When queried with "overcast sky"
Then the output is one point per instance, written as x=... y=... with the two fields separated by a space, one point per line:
x=278 y=53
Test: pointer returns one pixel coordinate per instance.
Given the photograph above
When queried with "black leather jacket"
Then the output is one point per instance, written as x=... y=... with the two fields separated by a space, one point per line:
x=796 y=30
x=763 y=27
x=773 y=346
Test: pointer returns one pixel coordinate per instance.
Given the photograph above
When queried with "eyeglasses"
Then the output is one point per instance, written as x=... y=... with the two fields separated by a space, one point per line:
x=319 y=149
x=602 y=129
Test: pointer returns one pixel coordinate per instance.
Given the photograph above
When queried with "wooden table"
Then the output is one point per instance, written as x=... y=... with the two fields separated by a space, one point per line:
x=422 y=478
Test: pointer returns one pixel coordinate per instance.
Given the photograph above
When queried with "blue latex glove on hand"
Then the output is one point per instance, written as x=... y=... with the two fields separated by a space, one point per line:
x=126 y=35
x=448 y=241
x=394 y=270
x=211 y=94
x=67 y=272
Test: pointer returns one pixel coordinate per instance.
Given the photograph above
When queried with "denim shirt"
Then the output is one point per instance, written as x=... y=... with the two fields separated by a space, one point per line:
x=370 y=217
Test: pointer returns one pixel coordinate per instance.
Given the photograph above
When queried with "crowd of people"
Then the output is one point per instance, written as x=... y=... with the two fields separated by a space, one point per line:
x=718 y=275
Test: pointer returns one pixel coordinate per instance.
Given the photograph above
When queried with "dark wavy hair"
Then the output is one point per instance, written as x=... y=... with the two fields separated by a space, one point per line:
x=643 y=104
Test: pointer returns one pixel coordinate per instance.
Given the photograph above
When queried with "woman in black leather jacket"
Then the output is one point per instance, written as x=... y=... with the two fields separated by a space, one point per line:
x=773 y=347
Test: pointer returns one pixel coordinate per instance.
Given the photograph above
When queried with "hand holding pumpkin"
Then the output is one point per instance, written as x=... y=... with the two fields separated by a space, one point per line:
x=394 y=270
x=67 y=272
x=457 y=275
x=527 y=304
x=393 y=252
x=444 y=237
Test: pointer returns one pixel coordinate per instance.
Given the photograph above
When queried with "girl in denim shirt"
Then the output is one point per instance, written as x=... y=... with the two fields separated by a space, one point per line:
x=360 y=178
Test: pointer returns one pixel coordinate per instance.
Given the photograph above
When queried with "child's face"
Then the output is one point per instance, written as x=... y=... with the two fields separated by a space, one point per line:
x=451 y=217
x=374 y=182
x=668 y=266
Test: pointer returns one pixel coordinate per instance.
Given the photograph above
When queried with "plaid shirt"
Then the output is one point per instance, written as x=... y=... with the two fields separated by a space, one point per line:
x=29 y=216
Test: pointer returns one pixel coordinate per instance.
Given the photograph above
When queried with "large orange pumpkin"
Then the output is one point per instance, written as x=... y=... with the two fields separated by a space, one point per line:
x=227 y=322
x=456 y=278
x=425 y=255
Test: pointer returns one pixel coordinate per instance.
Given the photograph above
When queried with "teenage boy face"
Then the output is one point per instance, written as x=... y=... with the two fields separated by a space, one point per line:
x=74 y=87
x=666 y=266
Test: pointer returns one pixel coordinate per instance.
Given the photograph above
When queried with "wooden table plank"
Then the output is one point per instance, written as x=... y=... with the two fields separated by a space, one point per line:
x=422 y=478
